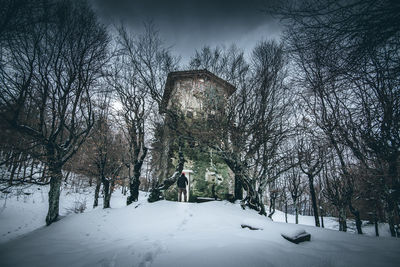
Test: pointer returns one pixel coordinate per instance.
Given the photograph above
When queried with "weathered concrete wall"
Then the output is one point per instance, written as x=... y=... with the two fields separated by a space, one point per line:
x=198 y=95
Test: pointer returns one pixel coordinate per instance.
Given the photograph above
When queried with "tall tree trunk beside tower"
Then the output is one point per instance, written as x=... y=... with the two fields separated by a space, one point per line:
x=136 y=154
x=253 y=197
x=156 y=193
x=138 y=77
x=238 y=193
x=134 y=181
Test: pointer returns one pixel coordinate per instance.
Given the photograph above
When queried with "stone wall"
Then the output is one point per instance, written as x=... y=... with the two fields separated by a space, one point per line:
x=197 y=96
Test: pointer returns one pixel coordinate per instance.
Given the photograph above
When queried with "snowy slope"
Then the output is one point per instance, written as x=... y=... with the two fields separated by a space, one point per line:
x=187 y=234
x=25 y=212
x=21 y=213
x=332 y=223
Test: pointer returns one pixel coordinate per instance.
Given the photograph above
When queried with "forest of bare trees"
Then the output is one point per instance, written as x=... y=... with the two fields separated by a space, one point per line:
x=313 y=127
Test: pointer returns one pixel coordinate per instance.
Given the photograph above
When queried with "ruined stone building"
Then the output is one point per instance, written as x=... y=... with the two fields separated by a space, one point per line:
x=192 y=102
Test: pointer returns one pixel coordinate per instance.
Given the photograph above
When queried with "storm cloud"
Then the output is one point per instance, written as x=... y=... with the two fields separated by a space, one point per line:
x=189 y=25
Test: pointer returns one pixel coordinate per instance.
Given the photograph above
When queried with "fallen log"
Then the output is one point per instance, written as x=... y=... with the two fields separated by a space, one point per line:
x=250 y=227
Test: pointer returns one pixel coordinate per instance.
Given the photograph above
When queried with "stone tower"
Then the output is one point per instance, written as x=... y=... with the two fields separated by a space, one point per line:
x=196 y=93
x=192 y=103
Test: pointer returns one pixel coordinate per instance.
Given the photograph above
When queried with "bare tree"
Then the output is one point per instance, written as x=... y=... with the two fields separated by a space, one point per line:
x=48 y=73
x=136 y=105
x=105 y=154
x=356 y=25
x=229 y=64
x=353 y=79
x=296 y=188
x=311 y=161
x=140 y=91
x=255 y=129
x=16 y=15
x=336 y=193
x=152 y=61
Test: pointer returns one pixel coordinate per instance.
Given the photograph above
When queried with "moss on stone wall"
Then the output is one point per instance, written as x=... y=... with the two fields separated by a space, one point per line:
x=199 y=161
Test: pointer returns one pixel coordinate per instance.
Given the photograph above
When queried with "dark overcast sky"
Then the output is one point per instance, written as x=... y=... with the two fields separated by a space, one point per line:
x=191 y=24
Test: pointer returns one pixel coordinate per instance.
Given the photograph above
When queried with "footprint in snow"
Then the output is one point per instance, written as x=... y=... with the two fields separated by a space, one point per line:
x=105 y=262
x=147 y=259
x=149 y=256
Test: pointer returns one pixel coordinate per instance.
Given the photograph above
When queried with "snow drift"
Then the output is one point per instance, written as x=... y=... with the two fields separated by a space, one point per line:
x=187 y=234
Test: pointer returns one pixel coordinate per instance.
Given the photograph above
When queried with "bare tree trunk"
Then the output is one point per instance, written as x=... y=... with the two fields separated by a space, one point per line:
x=156 y=192
x=12 y=174
x=253 y=197
x=107 y=192
x=213 y=193
x=134 y=190
x=356 y=214
x=96 y=193
x=238 y=187
x=55 y=173
x=286 y=210
x=134 y=182
x=322 y=218
x=66 y=176
x=24 y=172
x=123 y=189
x=44 y=173
x=31 y=171
x=20 y=163
x=296 y=211
x=272 y=205
x=390 y=216
x=10 y=159
x=313 y=200
x=14 y=168
x=259 y=203
x=342 y=219
x=392 y=200
x=376 y=223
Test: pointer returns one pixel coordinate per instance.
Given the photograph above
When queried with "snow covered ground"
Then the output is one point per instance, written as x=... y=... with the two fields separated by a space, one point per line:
x=172 y=234
x=21 y=213
x=332 y=223
x=25 y=209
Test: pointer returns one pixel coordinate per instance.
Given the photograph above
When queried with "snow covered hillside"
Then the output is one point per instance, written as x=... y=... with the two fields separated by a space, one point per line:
x=25 y=209
x=22 y=213
x=187 y=234
x=332 y=223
